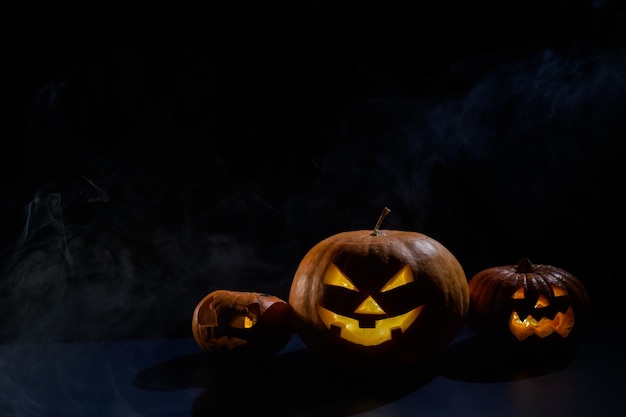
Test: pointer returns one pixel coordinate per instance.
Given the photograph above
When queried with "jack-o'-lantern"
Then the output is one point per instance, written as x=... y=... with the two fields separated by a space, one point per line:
x=527 y=304
x=381 y=296
x=225 y=321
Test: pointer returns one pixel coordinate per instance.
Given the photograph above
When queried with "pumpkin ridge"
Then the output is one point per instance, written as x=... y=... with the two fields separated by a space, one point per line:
x=499 y=283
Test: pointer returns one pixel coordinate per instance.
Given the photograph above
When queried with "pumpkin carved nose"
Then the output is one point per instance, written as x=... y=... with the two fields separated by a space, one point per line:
x=542 y=301
x=369 y=306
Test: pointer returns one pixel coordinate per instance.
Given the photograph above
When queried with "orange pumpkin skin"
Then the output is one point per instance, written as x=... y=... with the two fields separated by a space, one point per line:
x=527 y=305
x=390 y=274
x=235 y=321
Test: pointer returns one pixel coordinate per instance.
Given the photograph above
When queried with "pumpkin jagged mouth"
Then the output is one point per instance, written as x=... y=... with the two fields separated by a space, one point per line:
x=383 y=330
x=562 y=323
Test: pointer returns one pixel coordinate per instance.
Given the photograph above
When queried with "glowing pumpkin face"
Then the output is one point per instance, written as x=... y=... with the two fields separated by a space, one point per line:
x=542 y=313
x=374 y=310
x=232 y=320
x=388 y=297
x=530 y=303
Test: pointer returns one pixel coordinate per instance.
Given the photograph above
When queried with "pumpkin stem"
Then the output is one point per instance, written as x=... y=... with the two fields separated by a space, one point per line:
x=524 y=266
x=376 y=231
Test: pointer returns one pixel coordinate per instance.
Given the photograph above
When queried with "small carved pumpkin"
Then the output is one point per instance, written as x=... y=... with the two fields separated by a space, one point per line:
x=387 y=296
x=227 y=320
x=526 y=303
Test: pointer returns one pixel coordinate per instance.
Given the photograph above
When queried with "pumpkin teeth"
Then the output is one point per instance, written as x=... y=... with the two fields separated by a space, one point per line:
x=563 y=309
x=207 y=331
x=384 y=329
x=396 y=333
x=367 y=323
x=335 y=331
x=546 y=313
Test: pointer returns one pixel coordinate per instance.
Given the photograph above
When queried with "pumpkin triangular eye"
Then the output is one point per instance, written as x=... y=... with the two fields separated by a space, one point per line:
x=518 y=294
x=402 y=277
x=337 y=278
x=559 y=291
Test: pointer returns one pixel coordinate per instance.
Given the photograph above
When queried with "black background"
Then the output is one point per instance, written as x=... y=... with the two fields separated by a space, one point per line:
x=153 y=153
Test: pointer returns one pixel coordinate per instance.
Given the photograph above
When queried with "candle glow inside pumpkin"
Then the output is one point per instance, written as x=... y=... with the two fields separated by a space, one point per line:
x=562 y=323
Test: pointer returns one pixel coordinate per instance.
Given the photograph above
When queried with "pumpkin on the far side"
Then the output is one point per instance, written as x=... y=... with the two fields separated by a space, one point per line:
x=527 y=304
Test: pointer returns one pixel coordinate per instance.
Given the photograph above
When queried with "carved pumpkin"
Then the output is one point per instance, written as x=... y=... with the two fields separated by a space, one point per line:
x=226 y=320
x=526 y=304
x=382 y=296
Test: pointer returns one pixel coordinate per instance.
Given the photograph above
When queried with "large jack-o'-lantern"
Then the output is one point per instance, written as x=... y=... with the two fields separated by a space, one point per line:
x=527 y=304
x=226 y=321
x=382 y=296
